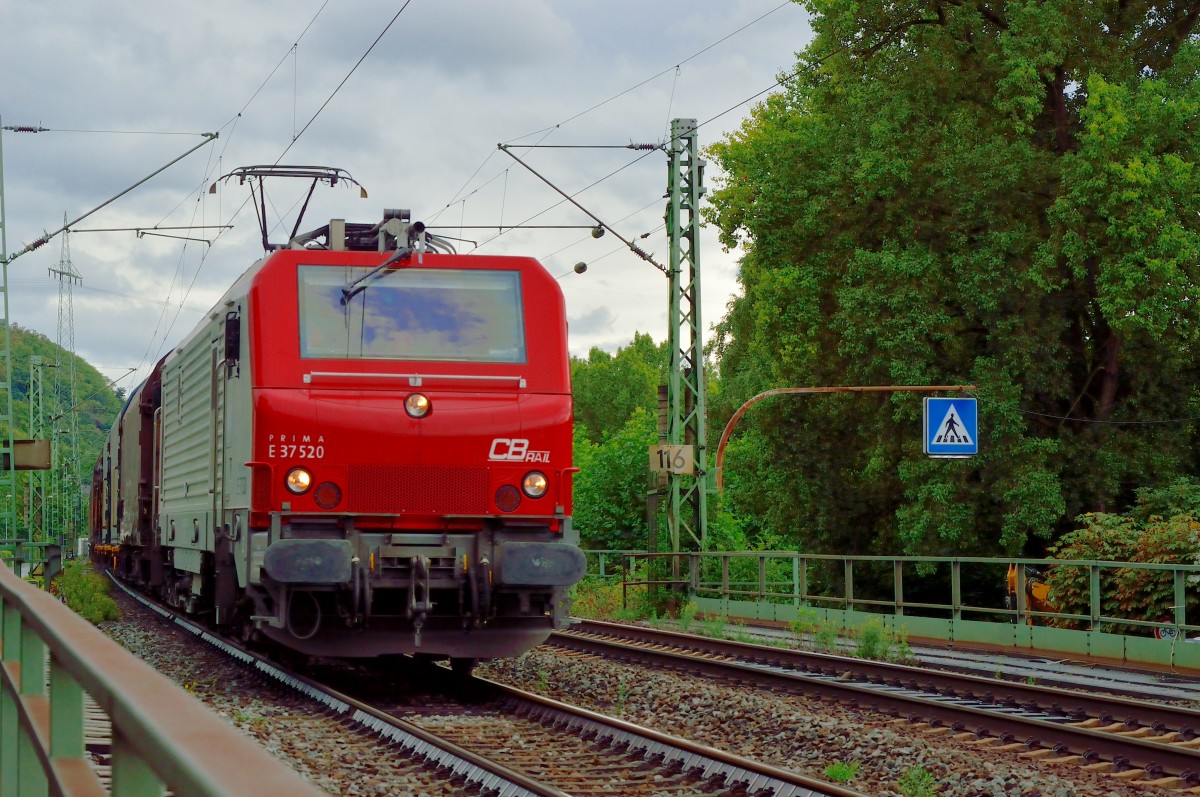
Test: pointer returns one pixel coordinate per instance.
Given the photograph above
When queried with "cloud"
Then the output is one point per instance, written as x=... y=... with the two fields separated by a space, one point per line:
x=596 y=320
x=417 y=122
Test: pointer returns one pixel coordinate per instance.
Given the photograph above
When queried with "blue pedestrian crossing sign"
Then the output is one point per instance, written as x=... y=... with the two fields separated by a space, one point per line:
x=951 y=427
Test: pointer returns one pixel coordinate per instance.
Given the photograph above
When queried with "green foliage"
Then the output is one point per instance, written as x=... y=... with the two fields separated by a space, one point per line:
x=86 y=592
x=687 y=616
x=611 y=486
x=917 y=782
x=608 y=388
x=608 y=599
x=872 y=641
x=876 y=641
x=714 y=626
x=1140 y=535
x=842 y=771
x=96 y=404
x=622 y=695
x=1001 y=196
x=825 y=637
x=805 y=623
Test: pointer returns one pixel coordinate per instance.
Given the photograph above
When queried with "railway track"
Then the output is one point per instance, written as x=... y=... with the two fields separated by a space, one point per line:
x=503 y=741
x=592 y=753
x=1151 y=744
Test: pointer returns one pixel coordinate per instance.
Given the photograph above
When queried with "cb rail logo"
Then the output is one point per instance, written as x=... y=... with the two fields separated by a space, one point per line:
x=515 y=449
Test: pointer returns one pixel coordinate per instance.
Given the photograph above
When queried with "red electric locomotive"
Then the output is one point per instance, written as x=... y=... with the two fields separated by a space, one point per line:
x=364 y=449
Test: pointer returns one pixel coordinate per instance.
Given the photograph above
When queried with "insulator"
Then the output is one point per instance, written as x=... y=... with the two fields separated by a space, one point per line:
x=643 y=147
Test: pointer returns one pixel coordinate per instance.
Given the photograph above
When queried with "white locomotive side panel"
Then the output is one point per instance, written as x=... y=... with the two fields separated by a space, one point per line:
x=188 y=486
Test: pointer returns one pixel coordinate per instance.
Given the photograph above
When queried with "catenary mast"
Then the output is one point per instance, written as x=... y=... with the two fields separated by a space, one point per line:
x=67 y=507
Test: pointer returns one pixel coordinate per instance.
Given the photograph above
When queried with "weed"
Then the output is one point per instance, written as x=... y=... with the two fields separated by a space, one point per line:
x=826 y=637
x=737 y=632
x=687 y=616
x=806 y=622
x=842 y=771
x=901 y=653
x=714 y=626
x=622 y=694
x=86 y=592
x=917 y=782
x=873 y=642
x=543 y=680
x=607 y=599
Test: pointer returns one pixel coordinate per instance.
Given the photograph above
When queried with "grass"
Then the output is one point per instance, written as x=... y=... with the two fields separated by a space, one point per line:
x=86 y=592
x=842 y=771
x=917 y=782
x=606 y=599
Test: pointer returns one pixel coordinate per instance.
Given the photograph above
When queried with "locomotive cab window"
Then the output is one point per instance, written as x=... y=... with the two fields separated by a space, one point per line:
x=412 y=314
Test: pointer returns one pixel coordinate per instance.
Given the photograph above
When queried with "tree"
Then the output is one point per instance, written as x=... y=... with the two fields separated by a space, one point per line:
x=1001 y=194
x=96 y=405
x=612 y=485
x=609 y=388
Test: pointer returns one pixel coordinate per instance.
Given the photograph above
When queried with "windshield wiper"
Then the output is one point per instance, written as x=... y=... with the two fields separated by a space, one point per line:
x=359 y=285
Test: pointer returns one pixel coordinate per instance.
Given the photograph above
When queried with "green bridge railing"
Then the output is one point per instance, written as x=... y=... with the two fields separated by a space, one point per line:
x=162 y=737
x=955 y=599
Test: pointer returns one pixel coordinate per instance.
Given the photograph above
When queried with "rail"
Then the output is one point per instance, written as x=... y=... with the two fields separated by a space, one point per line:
x=930 y=596
x=162 y=737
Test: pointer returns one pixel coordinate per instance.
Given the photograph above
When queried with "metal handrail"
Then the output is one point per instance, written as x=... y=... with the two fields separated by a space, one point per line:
x=162 y=736
x=797 y=590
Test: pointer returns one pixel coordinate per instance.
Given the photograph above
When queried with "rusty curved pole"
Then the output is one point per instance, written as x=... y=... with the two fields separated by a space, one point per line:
x=854 y=389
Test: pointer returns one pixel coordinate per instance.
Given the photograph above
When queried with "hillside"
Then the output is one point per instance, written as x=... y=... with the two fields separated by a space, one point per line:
x=97 y=403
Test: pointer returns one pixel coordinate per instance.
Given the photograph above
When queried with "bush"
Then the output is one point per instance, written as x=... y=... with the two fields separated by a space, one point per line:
x=595 y=598
x=1130 y=593
x=86 y=592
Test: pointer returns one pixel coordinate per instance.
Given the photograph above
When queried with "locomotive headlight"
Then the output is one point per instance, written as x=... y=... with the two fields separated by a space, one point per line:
x=417 y=405
x=298 y=480
x=534 y=484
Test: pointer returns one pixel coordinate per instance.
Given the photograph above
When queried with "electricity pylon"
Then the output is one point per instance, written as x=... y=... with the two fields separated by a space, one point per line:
x=66 y=509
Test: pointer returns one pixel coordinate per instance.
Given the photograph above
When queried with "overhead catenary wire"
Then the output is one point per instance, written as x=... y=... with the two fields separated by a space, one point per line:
x=637 y=250
x=296 y=136
x=654 y=77
x=292 y=52
x=547 y=131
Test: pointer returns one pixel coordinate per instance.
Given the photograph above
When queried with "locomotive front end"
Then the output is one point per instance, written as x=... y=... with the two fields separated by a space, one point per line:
x=409 y=455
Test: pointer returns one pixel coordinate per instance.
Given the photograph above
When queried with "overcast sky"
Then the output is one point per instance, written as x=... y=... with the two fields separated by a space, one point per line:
x=125 y=88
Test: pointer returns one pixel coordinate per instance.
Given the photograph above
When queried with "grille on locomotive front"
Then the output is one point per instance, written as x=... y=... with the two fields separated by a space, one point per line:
x=409 y=488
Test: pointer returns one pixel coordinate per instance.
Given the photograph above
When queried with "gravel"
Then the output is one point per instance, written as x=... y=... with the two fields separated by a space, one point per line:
x=323 y=749
x=794 y=732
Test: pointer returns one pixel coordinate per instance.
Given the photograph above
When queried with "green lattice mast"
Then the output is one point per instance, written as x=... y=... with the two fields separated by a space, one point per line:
x=687 y=512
